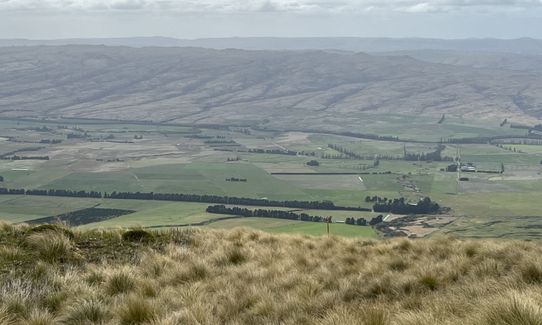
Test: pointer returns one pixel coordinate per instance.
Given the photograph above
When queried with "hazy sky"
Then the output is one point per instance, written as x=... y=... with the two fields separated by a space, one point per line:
x=45 y=19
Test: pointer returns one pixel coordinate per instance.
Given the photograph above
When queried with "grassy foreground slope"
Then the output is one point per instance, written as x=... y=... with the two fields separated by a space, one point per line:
x=58 y=276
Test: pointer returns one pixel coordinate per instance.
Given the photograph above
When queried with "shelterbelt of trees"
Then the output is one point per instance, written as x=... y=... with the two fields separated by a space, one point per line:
x=15 y=157
x=430 y=156
x=401 y=206
x=262 y=213
x=319 y=205
x=274 y=151
x=281 y=214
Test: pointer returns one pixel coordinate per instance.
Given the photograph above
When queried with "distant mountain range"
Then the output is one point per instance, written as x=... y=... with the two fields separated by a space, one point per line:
x=303 y=88
x=518 y=46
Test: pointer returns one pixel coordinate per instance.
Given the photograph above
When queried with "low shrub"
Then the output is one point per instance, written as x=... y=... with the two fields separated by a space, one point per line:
x=429 y=281
x=531 y=273
x=52 y=228
x=137 y=235
x=236 y=256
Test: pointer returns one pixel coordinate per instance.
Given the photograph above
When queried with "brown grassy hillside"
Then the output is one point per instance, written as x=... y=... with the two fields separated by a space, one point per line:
x=289 y=88
x=50 y=275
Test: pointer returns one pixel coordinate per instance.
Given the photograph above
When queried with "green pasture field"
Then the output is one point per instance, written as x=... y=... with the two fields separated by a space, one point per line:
x=407 y=127
x=524 y=148
x=386 y=183
x=18 y=208
x=387 y=148
x=295 y=227
x=345 y=165
x=270 y=158
x=493 y=204
x=198 y=178
x=341 y=215
x=318 y=143
x=163 y=214
x=326 y=182
x=423 y=128
x=484 y=153
x=427 y=129
x=103 y=182
x=444 y=183
x=281 y=164
x=518 y=227
x=339 y=197
x=210 y=178
x=525 y=185
x=93 y=126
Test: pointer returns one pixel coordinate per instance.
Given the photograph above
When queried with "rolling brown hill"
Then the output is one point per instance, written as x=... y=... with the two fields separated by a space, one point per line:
x=235 y=86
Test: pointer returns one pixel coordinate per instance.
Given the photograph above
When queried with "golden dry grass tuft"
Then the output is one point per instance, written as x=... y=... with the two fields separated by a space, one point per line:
x=244 y=276
x=52 y=246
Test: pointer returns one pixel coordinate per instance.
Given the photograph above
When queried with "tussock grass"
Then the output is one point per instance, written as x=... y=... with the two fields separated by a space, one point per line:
x=517 y=309
x=120 y=282
x=51 y=245
x=243 y=276
x=136 y=310
x=40 y=317
x=86 y=311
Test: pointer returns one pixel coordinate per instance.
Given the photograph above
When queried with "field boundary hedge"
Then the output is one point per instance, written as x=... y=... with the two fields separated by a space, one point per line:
x=178 y=197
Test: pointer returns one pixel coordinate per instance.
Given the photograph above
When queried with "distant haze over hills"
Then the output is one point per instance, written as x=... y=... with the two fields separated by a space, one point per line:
x=519 y=46
x=278 y=88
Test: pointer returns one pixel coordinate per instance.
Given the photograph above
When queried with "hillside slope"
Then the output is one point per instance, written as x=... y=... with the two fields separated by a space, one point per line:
x=477 y=59
x=51 y=275
x=287 y=88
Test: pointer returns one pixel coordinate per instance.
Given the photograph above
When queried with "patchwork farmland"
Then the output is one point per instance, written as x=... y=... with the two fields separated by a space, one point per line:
x=115 y=157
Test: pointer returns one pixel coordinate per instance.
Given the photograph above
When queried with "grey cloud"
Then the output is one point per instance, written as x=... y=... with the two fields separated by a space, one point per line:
x=128 y=4
x=225 y=6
